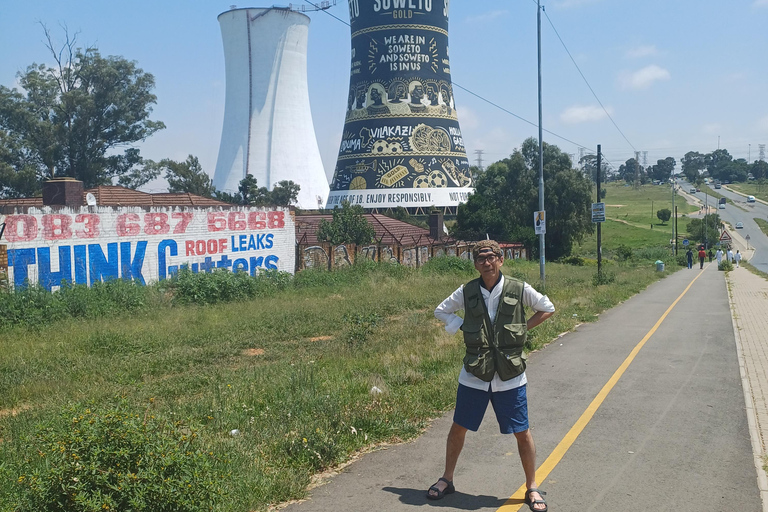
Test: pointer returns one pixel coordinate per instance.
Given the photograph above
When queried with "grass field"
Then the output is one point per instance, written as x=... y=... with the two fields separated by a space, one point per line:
x=751 y=188
x=291 y=372
x=279 y=388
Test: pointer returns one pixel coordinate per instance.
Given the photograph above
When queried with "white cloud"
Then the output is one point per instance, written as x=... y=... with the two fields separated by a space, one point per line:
x=584 y=114
x=642 y=51
x=468 y=119
x=644 y=78
x=486 y=17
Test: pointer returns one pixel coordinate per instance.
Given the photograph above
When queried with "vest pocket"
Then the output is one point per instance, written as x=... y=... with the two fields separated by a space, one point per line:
x=513 y=335
x=473 y=335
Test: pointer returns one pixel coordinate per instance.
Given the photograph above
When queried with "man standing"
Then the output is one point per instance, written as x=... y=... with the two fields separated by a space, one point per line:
x=689 y=258
x=702 y=257
x=495 y=330
x=729 y=255
x=737 y=258
x=719 y=256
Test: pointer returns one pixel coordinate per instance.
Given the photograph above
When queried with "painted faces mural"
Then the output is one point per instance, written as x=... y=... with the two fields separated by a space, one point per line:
x=401 y=145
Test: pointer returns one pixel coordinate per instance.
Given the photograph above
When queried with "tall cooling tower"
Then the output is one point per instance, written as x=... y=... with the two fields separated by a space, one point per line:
x=401 y=145
x=268 y=130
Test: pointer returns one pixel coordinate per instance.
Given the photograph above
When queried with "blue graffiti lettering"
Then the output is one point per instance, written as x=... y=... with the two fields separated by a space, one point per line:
x=131 y=268
x=45 y=276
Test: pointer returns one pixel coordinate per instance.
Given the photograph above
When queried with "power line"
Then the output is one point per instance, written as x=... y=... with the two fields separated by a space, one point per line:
x=587 y=82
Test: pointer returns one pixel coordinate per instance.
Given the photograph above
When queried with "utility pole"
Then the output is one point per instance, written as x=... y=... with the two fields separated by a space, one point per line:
x=674 y=212
x=599 y=224
x=542 y=274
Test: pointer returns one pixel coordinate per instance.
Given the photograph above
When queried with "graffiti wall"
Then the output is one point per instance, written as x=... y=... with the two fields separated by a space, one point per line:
x=90 y=244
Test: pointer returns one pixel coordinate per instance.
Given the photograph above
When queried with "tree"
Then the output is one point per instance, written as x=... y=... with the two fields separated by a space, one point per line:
x=759 y=169
x=663 y=169
x=506 y=196
x=349 y=226
x=717 y=162
x=664 y=215
x=187 y=176
x=706 y=229
x=285 y=193
x=692 y=164
x=73 y=118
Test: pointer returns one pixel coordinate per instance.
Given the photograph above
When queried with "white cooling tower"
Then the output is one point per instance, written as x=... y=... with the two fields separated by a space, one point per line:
x=268 y=130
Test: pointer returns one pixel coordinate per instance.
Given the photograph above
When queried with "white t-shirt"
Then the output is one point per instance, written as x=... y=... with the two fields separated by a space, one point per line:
x=446 y=312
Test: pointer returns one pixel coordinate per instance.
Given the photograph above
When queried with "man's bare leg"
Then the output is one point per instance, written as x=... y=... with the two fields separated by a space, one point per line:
x=527 y=451
x=453 y=447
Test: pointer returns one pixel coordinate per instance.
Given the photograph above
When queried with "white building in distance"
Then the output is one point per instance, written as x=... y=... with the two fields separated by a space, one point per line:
x=268 y=130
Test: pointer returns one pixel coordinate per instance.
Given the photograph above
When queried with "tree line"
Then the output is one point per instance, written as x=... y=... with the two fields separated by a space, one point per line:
x=82 y=116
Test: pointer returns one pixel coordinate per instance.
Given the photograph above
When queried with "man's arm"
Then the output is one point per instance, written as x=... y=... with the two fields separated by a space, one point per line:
x=538 y=318
x=445 y=312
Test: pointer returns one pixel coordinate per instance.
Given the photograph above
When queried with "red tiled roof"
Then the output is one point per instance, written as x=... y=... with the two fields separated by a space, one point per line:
x=108 y=195
x=388 y=230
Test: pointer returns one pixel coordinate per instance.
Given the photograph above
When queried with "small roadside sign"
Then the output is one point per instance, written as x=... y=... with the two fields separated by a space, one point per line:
x=686 y=242
x=540 y=222
x=746 y=237
x=598 y=212
x=725 y=237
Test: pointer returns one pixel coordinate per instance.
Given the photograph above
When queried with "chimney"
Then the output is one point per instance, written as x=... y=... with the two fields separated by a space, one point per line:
x=64 y=191
x=436 y=224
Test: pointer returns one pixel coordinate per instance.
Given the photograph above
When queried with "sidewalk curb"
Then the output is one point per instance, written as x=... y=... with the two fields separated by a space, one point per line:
x=754 y=434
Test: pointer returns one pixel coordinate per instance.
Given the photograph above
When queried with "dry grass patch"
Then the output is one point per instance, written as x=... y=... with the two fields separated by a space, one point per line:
x=252 y=352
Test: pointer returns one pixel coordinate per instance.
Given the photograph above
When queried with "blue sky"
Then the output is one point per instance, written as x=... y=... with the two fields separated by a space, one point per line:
x=675 y=76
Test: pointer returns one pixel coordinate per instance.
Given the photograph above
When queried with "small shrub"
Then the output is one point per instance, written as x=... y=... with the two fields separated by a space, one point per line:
x=623 y=253
x=651 y=254
x=681 y=260
x=360 y=326
x=448 y=265
x=603 y=277
x=115 y=459
x=573 y=260
x=725 y=265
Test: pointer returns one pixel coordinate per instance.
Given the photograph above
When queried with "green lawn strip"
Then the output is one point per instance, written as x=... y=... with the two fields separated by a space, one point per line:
x=639 y=205
x=763 y=224
x=751 y=188
x=292 y=372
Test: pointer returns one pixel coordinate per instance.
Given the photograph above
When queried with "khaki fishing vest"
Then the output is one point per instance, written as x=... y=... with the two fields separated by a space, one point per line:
x=498 y=347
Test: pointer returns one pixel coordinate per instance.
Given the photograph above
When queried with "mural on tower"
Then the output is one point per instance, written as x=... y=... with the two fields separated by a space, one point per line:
x=401 y=145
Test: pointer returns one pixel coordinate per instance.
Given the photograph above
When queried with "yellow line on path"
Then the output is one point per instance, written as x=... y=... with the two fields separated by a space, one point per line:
x=516 y=500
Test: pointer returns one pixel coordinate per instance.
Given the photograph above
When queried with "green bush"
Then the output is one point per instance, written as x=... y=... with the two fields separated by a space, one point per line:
x=603 y=277
x=573 y=260
x=448 y=265
x=652 y=254
x=623 y=253
x=115 y=459
x=221 y=285
x=725 y=265
x=681 y=260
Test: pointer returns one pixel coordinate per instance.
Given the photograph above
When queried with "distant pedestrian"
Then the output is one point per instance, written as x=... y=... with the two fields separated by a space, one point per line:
x=737 y=258
x=729 y=255
x=710 y=255
x=719 y=256
x=702 y=257
x=689 y=257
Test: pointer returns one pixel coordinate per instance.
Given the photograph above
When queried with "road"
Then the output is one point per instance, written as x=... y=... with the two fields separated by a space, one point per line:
x=743 y=212
x=642 y=410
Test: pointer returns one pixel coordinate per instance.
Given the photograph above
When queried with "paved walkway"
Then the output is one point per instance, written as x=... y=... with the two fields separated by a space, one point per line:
x=748 y=294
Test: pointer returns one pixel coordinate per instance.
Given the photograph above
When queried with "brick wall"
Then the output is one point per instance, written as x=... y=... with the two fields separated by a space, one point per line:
x=88 y=244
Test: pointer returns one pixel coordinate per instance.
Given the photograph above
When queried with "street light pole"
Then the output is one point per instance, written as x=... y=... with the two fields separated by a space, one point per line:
x=542 y=275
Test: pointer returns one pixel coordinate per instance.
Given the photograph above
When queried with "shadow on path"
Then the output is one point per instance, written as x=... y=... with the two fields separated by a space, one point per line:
x=457 y=500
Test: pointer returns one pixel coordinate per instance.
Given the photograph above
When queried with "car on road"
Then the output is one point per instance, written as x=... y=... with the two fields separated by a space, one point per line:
x=721 y=206
x=739 y=225
x=692 y=190
x=750 y=199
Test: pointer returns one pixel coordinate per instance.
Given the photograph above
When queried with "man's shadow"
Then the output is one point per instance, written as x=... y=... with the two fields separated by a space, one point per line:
x=457 y=500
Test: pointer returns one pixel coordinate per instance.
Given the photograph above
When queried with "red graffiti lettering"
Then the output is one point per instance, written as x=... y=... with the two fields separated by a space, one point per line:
x=276 y=220
x=200 y=247
x=189 y=245
x=156 y=224
x=126 y=224
x=213 y=247
x=237 y=221
x=56 y=227
x=184 y=219
x=90 y=223
x=20 y=228
x=217 y=221
x=257 y=220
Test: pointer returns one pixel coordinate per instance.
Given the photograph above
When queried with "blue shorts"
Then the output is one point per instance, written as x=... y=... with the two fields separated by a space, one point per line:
x=511 y=408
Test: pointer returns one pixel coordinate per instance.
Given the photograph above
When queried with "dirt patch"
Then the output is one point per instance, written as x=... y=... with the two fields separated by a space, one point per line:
x=252 y=352
x=615 y=205
x=321 y=338
x=4 y=413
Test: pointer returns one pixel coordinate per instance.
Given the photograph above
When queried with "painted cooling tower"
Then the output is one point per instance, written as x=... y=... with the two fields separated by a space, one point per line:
x=401 y=145
x=268 y=130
